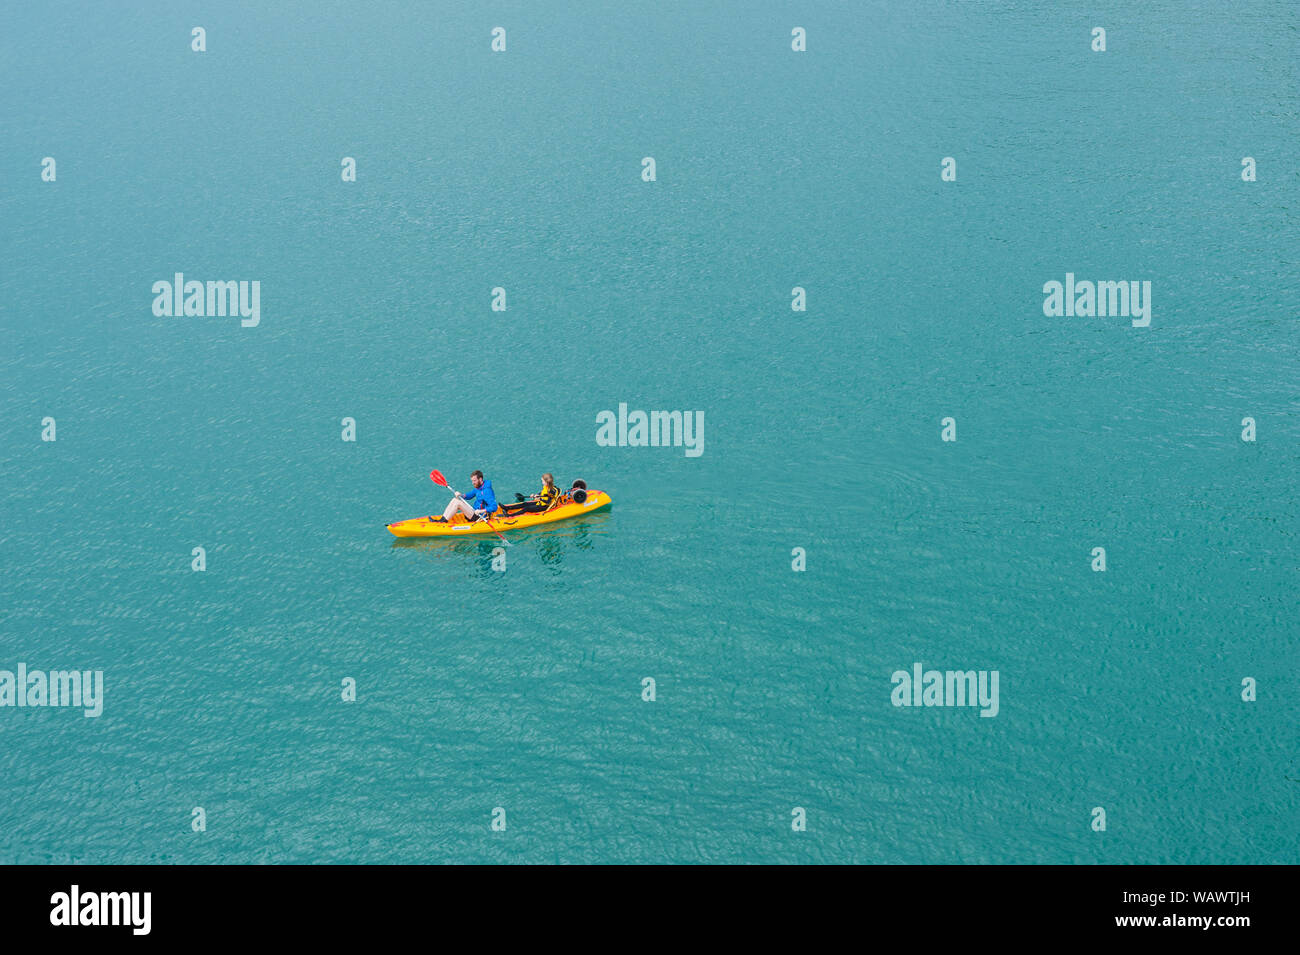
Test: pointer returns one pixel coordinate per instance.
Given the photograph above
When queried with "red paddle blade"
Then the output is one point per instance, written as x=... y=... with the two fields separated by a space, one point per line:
x=437 y=478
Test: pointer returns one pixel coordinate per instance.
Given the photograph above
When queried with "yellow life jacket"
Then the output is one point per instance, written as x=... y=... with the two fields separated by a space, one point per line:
x=548 y=495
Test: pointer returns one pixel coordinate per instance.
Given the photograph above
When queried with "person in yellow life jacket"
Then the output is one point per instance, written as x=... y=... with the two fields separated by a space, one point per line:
x=540 y=502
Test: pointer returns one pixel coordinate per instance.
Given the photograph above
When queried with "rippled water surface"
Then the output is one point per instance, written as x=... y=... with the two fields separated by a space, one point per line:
x=522 y=690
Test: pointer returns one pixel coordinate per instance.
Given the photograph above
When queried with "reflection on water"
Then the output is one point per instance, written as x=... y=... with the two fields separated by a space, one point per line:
x=548 y=541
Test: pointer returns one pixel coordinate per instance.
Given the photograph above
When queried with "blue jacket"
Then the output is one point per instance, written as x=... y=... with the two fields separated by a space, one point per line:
x=483 y=499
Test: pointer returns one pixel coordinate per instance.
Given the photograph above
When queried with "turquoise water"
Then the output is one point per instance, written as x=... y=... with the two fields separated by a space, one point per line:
x=522 y=689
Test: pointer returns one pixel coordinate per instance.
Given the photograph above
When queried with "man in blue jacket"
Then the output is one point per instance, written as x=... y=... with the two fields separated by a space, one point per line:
x=475 y=506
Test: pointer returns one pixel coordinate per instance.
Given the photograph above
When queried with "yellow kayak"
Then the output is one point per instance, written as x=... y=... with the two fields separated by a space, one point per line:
x=461 y=527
